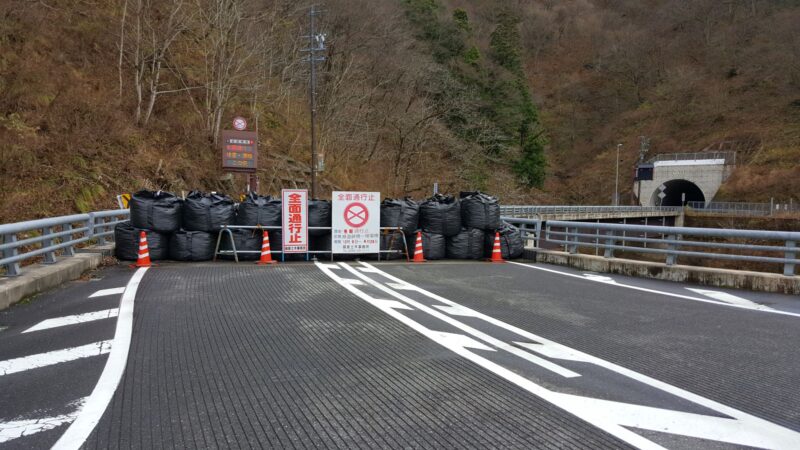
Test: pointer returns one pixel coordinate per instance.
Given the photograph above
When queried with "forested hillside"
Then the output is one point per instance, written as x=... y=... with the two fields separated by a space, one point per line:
x=526 y=99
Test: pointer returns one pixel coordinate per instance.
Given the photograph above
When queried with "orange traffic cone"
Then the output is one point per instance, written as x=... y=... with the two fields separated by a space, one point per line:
x=143 y=260
x=266 y=254
x=418 y=258
x=497 y=253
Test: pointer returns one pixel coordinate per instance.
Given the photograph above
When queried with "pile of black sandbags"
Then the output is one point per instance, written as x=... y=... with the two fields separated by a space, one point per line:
x=259 y=210
x=511 y=244
x=319 y=215
x=158 y=214
x=439 y=218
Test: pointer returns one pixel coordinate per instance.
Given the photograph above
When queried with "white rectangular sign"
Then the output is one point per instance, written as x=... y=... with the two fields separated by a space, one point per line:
x=356 y=220
x=295 y=220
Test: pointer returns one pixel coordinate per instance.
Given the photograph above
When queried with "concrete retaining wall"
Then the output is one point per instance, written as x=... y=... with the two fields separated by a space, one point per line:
x=38 y=278
x=738 y=279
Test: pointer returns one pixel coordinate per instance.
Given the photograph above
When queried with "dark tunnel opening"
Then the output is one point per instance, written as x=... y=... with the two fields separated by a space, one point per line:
x=675 y=190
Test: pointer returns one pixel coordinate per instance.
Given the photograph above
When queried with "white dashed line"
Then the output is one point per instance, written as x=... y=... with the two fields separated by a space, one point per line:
x=72 y=320
x=24 y=363
x=19 y=427
x=105 y=292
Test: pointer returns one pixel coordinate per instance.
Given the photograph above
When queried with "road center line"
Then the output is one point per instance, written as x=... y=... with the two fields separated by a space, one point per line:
x=101 y=396
x=654 y=291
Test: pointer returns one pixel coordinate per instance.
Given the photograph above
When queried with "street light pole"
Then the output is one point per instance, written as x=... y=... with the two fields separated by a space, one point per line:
x=616 y=179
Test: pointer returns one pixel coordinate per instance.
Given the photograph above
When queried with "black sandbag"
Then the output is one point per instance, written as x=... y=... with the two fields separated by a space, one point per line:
x=403 y=213
x=479 y=210
x=468 y=244
x=192 y=246
x=511 y=244
x=392 y=241
x=244 y=240
x=259 y=210
x=319 y=215
x=433 y=245
x=126 y=243
x=156 y=210
x=207 y=212
x=440 y=214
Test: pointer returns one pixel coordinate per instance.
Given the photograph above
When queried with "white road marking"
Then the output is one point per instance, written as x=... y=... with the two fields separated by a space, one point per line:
x=98 y=401
x=730 y=298
x=466 y=328
x=17 y=428
x=74 y=319
x=599 y=278
x=653 y=291
x=24 y=363
x=402 y=286
x=739 y=428
x=105 y=292
x=392 y=304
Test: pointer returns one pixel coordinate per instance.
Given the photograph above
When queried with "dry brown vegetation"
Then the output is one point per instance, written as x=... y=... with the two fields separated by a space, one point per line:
x=99 y=97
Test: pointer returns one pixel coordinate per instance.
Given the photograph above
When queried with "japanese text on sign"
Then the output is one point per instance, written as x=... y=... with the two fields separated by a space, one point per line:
x=356 y=222
x=239 y=151
x=295 y=220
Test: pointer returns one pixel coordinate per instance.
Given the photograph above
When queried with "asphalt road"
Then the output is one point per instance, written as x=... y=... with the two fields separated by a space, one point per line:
x=393 y=355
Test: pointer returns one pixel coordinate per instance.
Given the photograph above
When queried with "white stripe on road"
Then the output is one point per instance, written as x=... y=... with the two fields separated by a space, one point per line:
x=730 y=298
x=104 y=292
x=74 y=319
x=17 y=428
x=24 y=363
x=653 y=291
x=101 y=396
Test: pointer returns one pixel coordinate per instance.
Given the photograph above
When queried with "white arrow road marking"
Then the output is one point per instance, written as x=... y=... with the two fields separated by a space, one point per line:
x=74 y=319
x=105 y=292
x=737 y=427
x=653 y=291
x=24 y=363
x=19 y=427
x=101 y=396
x=730 y=298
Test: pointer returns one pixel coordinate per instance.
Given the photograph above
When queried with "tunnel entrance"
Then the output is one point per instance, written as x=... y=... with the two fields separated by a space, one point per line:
x=674 y=193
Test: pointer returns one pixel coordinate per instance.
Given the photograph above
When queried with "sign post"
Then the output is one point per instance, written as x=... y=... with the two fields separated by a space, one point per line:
x=356 y=222
x=295 y=221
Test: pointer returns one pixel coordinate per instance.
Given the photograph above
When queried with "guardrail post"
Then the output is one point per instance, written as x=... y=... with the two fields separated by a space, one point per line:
x=788 y=268
x=672 y=258
x=609 y=252
x=98 y=223
x=49 y=257
x=12 y=269
x=572 y=248
x=70 y=250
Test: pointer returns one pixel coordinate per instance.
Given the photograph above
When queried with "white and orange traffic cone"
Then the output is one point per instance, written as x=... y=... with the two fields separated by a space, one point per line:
x=497 y=252
x=266 y=253
x=418 y=257
x=143 y=260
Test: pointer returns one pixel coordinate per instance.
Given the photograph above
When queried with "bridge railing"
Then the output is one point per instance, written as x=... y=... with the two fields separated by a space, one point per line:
x=777 y=247
x=517 y=210
x=45 y=237
x=745 y=209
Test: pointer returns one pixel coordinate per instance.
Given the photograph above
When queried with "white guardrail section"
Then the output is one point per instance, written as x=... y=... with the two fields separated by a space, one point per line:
x=672 y=242
x=45 y=237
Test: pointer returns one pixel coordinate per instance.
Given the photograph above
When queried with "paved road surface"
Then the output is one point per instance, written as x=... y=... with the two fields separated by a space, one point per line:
x=391 y=355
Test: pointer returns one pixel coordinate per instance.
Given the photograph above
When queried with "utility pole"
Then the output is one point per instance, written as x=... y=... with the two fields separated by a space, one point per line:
x=616 y=179
x=316 y=43
x=643 y=149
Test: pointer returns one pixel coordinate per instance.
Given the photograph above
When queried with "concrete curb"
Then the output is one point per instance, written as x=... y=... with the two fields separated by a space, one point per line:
x=41 y=277
x=737 y=279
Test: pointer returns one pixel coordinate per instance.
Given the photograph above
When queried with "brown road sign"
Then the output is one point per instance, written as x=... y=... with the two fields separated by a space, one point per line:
x=239 y=151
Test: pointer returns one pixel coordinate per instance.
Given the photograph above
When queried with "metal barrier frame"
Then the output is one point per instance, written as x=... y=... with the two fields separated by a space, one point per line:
x=57 y=233
x=513 y=210
x=612 y=236
x=227 y=229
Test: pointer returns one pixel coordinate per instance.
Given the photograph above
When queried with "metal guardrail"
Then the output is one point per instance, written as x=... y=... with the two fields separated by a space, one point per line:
x=745 y=209
x=729 y=157
x=667 y=241
x=48 y=236
x=514 y=210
